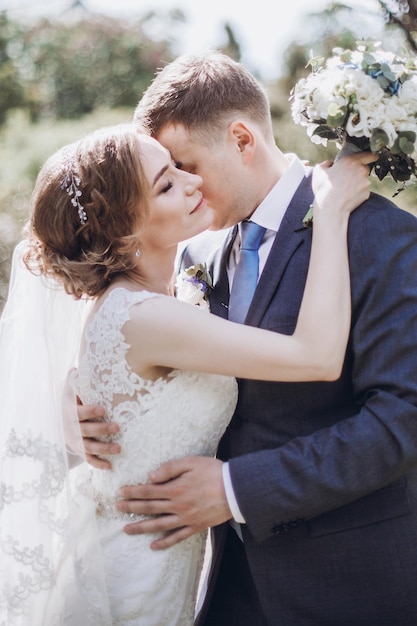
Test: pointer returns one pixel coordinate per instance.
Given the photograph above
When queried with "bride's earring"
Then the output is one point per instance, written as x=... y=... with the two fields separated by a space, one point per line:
x=137 y=253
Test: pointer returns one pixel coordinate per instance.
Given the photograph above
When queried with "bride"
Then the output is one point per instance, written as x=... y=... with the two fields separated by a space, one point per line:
x=107 y=214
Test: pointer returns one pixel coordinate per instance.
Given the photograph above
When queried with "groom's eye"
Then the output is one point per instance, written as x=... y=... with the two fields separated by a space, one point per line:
x=187 y=167
x=178 y=165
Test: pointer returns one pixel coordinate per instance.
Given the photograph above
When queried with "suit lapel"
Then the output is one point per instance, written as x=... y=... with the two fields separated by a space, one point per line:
x=289 y=237
x=217 y=264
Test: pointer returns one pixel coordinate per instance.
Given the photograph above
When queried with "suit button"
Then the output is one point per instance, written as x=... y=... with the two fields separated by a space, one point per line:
x=278 y=529
x=284 y=527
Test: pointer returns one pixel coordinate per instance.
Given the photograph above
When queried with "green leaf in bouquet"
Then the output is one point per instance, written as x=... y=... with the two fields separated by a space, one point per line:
x=368 y=59
x=335 y=115
x=353 y=100
x=378 y=140
x=388 y=73
x=325 y=132
x=406 y=141
x=383 y=82
x=315 y=62
x=345 y=55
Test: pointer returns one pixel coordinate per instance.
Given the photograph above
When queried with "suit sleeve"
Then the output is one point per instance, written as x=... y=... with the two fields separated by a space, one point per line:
x=358 y=455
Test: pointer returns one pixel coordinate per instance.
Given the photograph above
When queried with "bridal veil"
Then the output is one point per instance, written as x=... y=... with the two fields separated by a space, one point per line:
x=50 y=569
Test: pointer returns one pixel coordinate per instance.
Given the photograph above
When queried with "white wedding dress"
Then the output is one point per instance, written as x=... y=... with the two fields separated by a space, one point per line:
x=183 y=414
x=64 y=558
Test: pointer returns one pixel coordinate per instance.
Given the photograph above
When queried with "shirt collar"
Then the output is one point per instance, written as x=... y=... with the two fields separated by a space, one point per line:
x=270 y=212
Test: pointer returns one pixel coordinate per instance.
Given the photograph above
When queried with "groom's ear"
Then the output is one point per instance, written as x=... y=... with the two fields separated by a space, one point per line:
x=243 y=139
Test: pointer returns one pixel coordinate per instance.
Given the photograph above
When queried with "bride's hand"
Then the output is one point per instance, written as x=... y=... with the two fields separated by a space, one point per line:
x=342 y=186
x=93 y=428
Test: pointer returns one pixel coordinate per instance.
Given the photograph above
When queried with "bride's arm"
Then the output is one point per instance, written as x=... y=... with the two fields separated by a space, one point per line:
x=166 y=332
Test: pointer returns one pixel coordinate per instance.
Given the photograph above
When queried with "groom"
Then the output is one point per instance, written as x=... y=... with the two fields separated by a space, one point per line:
x=320 y=483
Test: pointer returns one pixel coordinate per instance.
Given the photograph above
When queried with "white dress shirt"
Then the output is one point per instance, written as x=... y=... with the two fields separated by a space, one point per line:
x=269 y=214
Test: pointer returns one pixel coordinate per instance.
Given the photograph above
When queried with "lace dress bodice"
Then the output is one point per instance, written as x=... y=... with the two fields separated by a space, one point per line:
x=183 y=414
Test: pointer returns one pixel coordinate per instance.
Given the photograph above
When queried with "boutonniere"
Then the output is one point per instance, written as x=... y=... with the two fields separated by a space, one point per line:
x=194 y=284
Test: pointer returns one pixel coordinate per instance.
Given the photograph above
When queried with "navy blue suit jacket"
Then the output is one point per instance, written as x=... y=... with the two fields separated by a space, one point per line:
x=325 y=474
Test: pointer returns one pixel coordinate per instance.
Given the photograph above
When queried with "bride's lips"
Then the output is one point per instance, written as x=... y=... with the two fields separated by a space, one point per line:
x=199 y=205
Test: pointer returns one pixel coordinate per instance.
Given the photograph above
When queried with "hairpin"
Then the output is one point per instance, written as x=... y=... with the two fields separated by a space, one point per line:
x=70 y=183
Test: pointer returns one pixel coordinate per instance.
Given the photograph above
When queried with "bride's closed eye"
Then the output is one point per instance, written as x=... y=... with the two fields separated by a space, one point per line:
x=167 y=187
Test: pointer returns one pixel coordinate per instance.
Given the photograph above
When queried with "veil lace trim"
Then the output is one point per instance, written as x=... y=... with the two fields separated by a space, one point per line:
x=40 y=331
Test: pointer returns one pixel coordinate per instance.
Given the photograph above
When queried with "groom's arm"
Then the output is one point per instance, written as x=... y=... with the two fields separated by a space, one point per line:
x=362 y=454
x=356 y=456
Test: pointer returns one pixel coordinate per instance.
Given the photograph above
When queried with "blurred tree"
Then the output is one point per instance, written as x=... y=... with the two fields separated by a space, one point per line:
x=11 y=91
x=402 y=14
x=341 y=25
x=232 y=46
x=69 y=68
x=336 y=25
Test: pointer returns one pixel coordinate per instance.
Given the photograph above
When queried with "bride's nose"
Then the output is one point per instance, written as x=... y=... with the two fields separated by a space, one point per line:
x=193 y=182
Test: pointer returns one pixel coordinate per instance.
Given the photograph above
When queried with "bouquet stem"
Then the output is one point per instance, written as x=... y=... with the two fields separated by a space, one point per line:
x=348 y=148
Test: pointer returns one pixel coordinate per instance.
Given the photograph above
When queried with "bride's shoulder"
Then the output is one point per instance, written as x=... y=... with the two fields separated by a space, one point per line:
x=114 y=308
x=120 y=297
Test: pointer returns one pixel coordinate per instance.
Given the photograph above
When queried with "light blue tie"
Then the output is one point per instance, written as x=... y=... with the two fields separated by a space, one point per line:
x=246 y=273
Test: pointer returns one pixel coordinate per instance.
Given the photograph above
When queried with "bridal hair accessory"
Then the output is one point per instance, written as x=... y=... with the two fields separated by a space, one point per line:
x=70 y=183
x=194 y=285
x=365 y=99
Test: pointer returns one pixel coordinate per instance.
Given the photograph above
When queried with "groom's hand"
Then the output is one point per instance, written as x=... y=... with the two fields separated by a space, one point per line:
x=187 y=496
x=93 y=430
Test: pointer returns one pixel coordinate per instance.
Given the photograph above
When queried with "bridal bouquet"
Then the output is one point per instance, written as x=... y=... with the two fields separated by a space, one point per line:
x=365 y=99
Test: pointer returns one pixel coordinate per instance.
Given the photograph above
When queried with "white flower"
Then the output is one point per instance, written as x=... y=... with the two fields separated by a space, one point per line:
x=407 y=96
x=190 y=292
x=193 y=285
x=363 y=120
x=396 y=113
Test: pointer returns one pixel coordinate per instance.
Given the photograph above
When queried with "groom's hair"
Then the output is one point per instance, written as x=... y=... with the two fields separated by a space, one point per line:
x=203 y=93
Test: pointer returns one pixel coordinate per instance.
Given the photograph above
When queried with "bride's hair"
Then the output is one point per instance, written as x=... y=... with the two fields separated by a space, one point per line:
x=87 y=210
